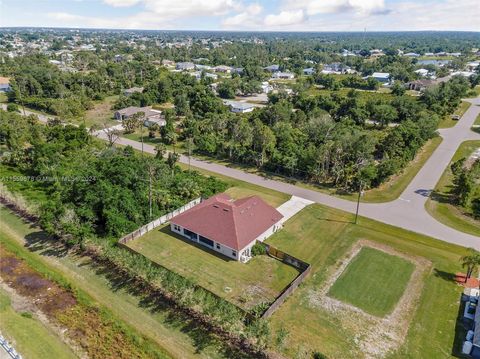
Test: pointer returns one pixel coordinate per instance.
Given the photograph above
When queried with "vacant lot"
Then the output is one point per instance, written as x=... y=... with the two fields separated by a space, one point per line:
x=448 y=121
x=100 y=114
x=245 y=284
x=30 y=337
x=440 y=204
x=374 y=281
x=323 y=236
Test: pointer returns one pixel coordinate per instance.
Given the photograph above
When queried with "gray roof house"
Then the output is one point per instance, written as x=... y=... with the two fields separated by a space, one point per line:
x=151 y=116
x=239 y=107
x=185 y=66
x=272 y=68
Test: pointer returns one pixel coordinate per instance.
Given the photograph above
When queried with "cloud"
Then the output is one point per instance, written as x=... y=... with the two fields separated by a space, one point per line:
x=121 y=3
x=314 y=7
x=285 y=18
x=247 y=18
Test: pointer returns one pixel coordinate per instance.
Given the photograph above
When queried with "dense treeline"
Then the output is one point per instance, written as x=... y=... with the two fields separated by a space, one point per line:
x=466 y=185
x=93 y=190
x=328 y=138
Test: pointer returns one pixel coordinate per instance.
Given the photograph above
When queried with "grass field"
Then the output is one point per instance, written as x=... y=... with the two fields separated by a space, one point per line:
x=176 y=333
x=448 y=122
x=100 y=114
x=245 y=284
x=477 y=125
x=440 y=205
x=373 y=281
x=29 y=336
x=322 y=236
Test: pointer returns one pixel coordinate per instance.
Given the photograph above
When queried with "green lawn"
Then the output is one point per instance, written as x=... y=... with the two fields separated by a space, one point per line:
x=477 y=125
x=373 y=281
x=448 y=122
x=246 y=284
x=30 y=337
x=177 y=334
x=322 y=236
x=440 y=205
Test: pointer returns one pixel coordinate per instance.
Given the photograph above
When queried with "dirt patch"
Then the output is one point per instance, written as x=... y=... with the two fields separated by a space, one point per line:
x=48 y=296
x=376 y=337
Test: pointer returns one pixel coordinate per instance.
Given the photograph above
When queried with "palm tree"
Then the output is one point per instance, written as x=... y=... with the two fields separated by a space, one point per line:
x=471 y=261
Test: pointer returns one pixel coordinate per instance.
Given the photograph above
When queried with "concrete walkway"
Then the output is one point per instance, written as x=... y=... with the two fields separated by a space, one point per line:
x=407 y=212
x=292 y=207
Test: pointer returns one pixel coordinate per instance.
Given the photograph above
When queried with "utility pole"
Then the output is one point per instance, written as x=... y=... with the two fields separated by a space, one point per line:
x=150 y=192
x=358 y=201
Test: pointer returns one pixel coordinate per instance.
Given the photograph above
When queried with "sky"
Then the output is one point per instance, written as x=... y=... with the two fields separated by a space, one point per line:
x=243 y=15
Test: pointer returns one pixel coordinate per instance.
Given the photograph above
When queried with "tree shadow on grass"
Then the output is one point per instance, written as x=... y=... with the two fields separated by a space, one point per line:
x=41 y=243
x=201 y=337
x=448 y=276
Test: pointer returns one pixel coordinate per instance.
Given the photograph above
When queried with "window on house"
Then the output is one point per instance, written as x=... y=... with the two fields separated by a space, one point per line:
x=218 y=246
x=234 y=253
x=176 y=227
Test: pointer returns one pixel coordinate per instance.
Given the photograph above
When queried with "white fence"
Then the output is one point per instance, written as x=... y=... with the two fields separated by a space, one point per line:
x=8 y=348
x=158 y=222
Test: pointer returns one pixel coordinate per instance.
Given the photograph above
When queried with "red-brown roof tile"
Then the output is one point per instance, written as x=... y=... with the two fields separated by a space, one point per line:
x=234 y=224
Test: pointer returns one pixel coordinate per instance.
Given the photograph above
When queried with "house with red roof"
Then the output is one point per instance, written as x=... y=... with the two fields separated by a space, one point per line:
x=227 y=226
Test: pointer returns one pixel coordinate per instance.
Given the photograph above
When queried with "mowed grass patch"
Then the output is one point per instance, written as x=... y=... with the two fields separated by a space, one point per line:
x=29 y=336
x=373 y=281
x=322 y=236
x=246 y=284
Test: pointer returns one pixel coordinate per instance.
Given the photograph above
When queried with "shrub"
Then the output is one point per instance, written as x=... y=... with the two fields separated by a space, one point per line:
x=12 y=107
x=259 y=249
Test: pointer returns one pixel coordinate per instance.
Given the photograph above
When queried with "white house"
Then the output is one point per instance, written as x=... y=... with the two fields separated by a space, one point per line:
x=283 y=75
x=239 y=107
x=229 y=227
x=422 y=72
x=383 y=77
x=266 y=87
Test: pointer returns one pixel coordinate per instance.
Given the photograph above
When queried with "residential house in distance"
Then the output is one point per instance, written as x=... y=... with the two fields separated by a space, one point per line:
x=185 y=66
x=132 y=90
x=419 y=85
x=239 y=107
x=266 y=87
x=335 y=68
x=411 y=54
x=383 y=77
x=283 y=75
x=272 y=68
x=223 y=69
x=229 y=227
x=309 y=71
x=422 y=72
x=168 y=63
x=151 y=116
x=4 y=84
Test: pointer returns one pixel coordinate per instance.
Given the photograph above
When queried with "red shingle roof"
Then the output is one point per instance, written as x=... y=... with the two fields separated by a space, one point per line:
x=234 y=224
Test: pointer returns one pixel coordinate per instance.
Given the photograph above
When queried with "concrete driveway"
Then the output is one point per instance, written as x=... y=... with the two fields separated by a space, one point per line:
x=292 y=207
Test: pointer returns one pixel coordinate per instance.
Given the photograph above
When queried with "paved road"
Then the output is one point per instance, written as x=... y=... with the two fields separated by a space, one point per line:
x=408 y=211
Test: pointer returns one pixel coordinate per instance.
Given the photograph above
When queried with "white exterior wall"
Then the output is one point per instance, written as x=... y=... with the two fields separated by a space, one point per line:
x=217 y=247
